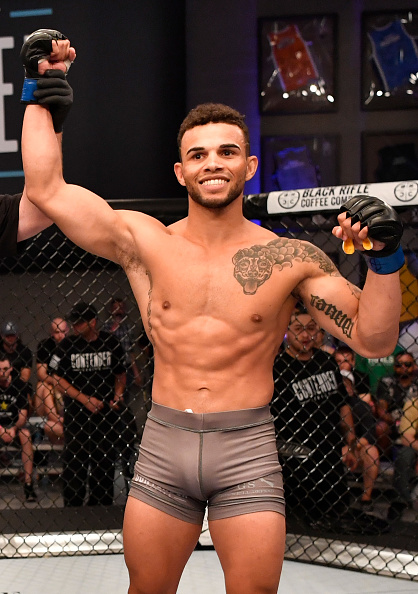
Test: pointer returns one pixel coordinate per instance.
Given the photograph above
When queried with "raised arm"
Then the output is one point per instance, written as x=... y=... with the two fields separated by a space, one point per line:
x=84 y=217
x=367 y=320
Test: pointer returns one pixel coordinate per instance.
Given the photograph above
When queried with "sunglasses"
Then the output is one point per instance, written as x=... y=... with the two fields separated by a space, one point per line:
x=407 y=364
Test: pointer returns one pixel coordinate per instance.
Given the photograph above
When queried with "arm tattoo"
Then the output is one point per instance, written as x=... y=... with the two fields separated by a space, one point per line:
x=254 y=266
x=355 y=291
x=340 y=319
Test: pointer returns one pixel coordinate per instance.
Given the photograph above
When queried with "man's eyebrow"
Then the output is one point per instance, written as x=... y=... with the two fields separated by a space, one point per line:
x=196 y=149
x=230 y=145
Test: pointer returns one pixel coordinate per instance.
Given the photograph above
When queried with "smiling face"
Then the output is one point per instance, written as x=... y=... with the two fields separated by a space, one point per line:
x=214 y=166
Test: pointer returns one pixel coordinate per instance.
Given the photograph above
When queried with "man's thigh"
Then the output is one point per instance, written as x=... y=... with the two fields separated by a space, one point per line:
x=157 y=547
x=251 y=550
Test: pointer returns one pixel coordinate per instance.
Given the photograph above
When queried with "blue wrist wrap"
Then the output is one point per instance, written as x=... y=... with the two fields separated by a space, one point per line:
x=387 y=264
x=29 y=86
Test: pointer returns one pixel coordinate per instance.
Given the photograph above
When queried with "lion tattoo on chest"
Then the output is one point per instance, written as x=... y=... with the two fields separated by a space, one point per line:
x=254 y=266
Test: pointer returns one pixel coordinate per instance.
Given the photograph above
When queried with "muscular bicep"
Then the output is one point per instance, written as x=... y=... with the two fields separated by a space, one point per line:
x=87 y=220
x=331 y=300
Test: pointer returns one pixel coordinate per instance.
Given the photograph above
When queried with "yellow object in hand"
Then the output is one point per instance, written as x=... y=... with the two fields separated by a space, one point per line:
x=368 y=244
x=348 y=245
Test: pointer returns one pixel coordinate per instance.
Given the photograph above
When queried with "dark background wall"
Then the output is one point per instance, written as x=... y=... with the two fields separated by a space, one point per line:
x=129 y=84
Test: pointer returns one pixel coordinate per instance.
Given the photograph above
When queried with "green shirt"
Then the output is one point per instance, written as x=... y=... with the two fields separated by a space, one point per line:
x=377 y=368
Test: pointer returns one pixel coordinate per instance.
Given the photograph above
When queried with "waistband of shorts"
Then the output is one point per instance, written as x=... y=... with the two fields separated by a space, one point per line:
x=213 y=421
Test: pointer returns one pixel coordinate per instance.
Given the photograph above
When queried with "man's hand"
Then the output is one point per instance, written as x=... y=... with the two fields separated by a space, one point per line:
x=7 y=434
x=351 y=455
x=368 y=223
x=46 y=49
x=116 y=402
x=366 y=217
x=60 y=58
x=94 y=405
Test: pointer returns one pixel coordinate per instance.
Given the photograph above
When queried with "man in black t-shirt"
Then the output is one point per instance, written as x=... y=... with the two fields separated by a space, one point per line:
x=313 y=423
x=48 y=400
x=89 y=366
x=14 y=405
x=19 y=355
x=19 y=220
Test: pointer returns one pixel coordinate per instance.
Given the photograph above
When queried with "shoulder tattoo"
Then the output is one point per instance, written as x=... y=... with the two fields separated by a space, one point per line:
x=254 y=266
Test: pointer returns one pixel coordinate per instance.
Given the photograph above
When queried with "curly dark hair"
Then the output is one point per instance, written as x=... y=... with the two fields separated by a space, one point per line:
x=207 y=113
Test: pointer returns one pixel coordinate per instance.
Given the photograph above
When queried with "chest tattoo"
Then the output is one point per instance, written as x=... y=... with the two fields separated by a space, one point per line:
x=253 y=266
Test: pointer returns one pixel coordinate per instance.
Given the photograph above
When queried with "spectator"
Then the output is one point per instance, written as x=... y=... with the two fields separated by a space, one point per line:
x=406 y=460
x=126 y=426
x=20 y=356
x=345 y=358
x=324 y=342
x=119 y=326
x=48 y=400
x=394 y=390
x=310 y=407
x=367 y=454
x=88 y=366
x=14 y=406
x=377 y=368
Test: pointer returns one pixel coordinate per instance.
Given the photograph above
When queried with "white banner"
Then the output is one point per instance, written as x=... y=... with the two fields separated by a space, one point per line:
x=403 y=193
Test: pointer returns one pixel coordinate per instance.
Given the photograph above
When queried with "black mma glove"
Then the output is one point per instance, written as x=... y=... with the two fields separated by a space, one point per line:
x=38 y=47
x=383 y=225
x=54 y=91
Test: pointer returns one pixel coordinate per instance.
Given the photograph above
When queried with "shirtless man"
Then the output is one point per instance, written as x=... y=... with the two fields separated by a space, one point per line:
x=216 y=329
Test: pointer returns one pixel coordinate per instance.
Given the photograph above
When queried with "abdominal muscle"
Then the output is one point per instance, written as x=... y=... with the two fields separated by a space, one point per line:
x=209 y=366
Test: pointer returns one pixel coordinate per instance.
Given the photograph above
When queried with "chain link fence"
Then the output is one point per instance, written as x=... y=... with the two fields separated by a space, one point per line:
x=327 y=521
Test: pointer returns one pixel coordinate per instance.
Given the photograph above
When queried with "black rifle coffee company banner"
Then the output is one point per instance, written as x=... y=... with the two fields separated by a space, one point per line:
x=129 y=82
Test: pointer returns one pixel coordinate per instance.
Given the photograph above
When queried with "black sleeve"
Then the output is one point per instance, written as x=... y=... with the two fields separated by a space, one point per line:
x=118 y=355
x=25 y=394
x=27 y=357
x=9 y=222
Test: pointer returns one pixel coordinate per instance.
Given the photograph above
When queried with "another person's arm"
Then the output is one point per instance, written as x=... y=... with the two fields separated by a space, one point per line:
x=31 y=219
x=120 y=385
x=347 y=428
x=90 y=402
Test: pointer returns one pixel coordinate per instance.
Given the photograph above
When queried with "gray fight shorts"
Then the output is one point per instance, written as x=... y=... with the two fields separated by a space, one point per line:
x=227 y=461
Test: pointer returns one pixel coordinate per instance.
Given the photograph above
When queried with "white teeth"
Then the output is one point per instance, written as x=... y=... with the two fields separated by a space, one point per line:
x=213 y=182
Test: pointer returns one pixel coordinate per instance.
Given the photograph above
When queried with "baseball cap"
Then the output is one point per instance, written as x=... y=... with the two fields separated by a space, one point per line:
x=82 y=312
x=9 y=328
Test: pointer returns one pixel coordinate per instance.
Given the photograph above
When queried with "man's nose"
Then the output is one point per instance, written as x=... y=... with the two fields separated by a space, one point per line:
x=213 y=162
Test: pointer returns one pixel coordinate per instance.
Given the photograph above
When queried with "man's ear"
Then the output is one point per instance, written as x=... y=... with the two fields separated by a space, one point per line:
x=252 y=165
x=178 y=170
